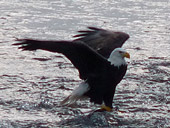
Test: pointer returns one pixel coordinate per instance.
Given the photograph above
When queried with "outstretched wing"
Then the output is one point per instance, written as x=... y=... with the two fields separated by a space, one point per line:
x=103 y=41
x=82 y=56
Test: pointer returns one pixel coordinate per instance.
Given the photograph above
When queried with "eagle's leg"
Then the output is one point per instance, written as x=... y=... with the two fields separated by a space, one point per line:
x=106 y=108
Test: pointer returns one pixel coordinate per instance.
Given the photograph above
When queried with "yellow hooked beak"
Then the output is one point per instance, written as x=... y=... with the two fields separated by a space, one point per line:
x=126 y=54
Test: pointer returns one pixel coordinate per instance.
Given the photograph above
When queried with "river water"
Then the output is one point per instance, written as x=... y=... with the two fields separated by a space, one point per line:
x=33 y=83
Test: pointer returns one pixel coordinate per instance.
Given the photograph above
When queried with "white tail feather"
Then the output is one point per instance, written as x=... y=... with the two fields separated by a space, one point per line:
x=76 y=94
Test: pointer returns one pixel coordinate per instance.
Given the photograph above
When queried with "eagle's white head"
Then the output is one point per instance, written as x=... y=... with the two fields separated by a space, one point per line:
x=117 y=57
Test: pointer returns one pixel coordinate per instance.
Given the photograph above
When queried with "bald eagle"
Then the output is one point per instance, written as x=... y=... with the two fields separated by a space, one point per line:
x=100 y=73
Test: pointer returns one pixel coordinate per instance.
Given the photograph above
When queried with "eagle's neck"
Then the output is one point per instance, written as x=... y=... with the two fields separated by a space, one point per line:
x=116 y=61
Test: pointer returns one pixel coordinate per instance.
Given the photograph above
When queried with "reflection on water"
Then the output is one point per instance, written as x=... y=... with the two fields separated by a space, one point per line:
x=33 y=84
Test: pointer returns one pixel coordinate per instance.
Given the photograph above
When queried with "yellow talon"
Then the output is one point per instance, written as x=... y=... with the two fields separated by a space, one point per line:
x=103 y=107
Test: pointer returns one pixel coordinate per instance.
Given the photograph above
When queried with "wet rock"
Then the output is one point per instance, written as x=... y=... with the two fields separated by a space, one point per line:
x=94 y=119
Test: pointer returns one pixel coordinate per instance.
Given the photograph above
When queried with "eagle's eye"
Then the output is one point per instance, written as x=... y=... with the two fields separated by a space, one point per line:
x=120 y=52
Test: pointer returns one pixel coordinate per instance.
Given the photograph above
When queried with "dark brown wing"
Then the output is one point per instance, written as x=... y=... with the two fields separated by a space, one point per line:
x=103 y=41
x=82 y=56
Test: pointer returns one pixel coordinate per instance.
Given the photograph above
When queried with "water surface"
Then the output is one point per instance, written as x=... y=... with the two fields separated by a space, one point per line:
x=33 y=83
